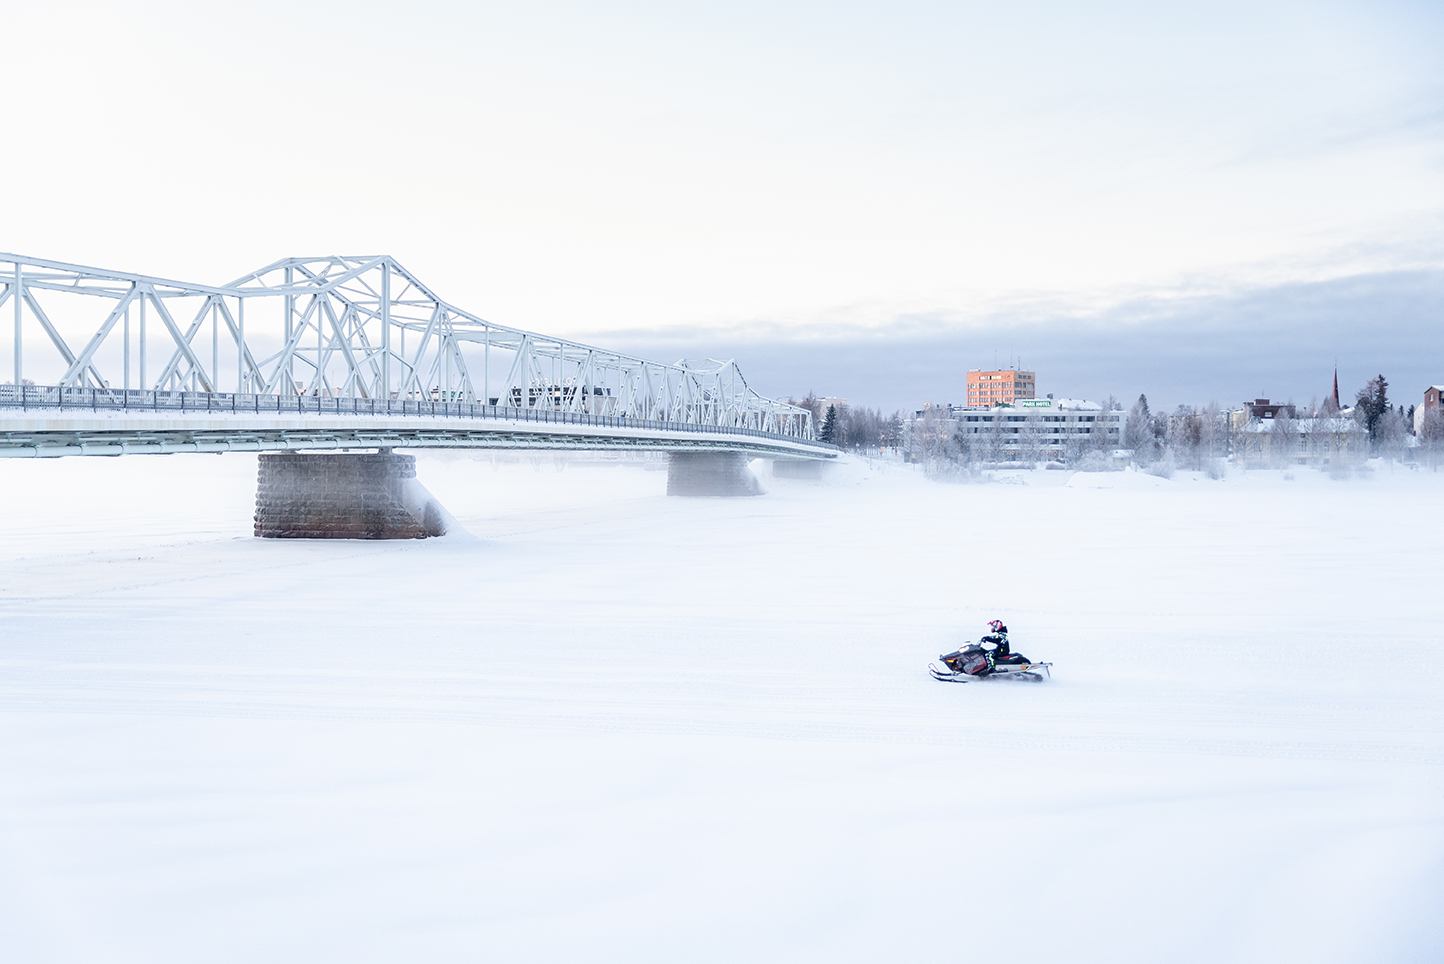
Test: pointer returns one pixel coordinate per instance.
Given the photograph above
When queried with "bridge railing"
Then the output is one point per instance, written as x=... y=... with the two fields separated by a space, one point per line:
x=39 y=398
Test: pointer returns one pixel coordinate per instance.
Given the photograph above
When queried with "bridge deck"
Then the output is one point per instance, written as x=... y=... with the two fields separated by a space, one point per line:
x=47 y=423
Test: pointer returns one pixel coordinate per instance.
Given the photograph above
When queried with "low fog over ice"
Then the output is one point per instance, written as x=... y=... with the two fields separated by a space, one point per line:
x=612 y=726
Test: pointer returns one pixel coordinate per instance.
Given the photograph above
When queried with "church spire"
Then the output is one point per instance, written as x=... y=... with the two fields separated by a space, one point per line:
x=1336 y=388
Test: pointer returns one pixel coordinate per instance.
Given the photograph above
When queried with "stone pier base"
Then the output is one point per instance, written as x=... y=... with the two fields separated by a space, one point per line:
x=797 y=468
x=344 y=496
x=710 y=473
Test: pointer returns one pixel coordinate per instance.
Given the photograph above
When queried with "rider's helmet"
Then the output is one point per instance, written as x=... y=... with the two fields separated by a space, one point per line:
x=996 y=625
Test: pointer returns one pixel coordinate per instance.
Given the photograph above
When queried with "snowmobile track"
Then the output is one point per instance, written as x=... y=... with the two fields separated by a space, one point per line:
x=1021 y=676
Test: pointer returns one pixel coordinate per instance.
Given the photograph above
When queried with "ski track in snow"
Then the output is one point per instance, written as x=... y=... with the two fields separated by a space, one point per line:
x=606 y=722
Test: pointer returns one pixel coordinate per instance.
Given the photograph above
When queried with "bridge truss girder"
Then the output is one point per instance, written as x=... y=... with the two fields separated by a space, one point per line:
x=361 y=327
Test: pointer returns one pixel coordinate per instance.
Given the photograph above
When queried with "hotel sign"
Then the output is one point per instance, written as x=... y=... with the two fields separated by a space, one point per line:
x=1035 y=403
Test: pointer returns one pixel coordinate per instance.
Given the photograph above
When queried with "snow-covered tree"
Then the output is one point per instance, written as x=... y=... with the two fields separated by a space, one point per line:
x=1138 y=431
x=1371 y=404
x=1390 y=430
x=1212 y=431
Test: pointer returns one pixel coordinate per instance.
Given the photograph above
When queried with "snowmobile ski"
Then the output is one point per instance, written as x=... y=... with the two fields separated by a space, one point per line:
x=944 y=676
x=1021 y=672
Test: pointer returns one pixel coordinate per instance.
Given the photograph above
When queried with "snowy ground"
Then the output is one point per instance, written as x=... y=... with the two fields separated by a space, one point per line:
x=613 y=726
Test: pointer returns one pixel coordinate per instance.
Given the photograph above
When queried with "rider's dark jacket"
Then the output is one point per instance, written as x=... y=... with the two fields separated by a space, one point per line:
x=1000 y=642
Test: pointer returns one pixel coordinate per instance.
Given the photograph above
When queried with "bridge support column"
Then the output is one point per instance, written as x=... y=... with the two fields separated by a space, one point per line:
x=710 y=473
x=344 y=496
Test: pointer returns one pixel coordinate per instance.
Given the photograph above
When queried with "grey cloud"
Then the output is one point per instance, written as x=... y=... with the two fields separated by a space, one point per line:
x=1281 y=342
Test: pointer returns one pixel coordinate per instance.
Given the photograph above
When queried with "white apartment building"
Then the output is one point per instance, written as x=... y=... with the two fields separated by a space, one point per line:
x=1034 y=429
x=1045 y=428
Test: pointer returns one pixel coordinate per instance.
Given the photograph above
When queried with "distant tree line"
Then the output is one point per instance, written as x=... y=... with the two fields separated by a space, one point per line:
x=853 y=428
x=1189 y=437
x=1319 y=433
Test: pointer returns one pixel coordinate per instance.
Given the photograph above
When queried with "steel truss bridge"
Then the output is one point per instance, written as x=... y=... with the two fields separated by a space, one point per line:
x=336 y=353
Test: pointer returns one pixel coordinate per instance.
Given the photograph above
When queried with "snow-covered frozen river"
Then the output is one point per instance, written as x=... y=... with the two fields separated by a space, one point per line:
x=613 y=726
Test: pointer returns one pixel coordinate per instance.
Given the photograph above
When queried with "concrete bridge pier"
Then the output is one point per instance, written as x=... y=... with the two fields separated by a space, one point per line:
x=345 y=496
x=710 y=474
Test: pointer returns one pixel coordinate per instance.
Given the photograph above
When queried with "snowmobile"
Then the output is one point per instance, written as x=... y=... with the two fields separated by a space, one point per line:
x=972 y=662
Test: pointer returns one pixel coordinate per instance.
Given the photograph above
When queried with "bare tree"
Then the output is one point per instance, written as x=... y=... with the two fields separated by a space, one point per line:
x=1030 y=440
x=1283 y=440
x=1098 y=438
x=862 y=428
x=1431 y=436
x=1346 y=443
x=813 y=404
x=893 y=431
x=1315 y=431
x=1185 y=435
x=931 y=438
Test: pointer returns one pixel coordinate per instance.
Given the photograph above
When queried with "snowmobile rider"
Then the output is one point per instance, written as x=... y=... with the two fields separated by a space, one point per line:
x=998 y=638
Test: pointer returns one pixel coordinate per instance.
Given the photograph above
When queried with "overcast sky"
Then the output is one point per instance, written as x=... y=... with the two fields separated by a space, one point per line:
x=1193 y=200
x=1275 y=341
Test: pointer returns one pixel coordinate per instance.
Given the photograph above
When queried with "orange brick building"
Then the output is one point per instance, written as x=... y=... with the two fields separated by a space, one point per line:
x=986 y=389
